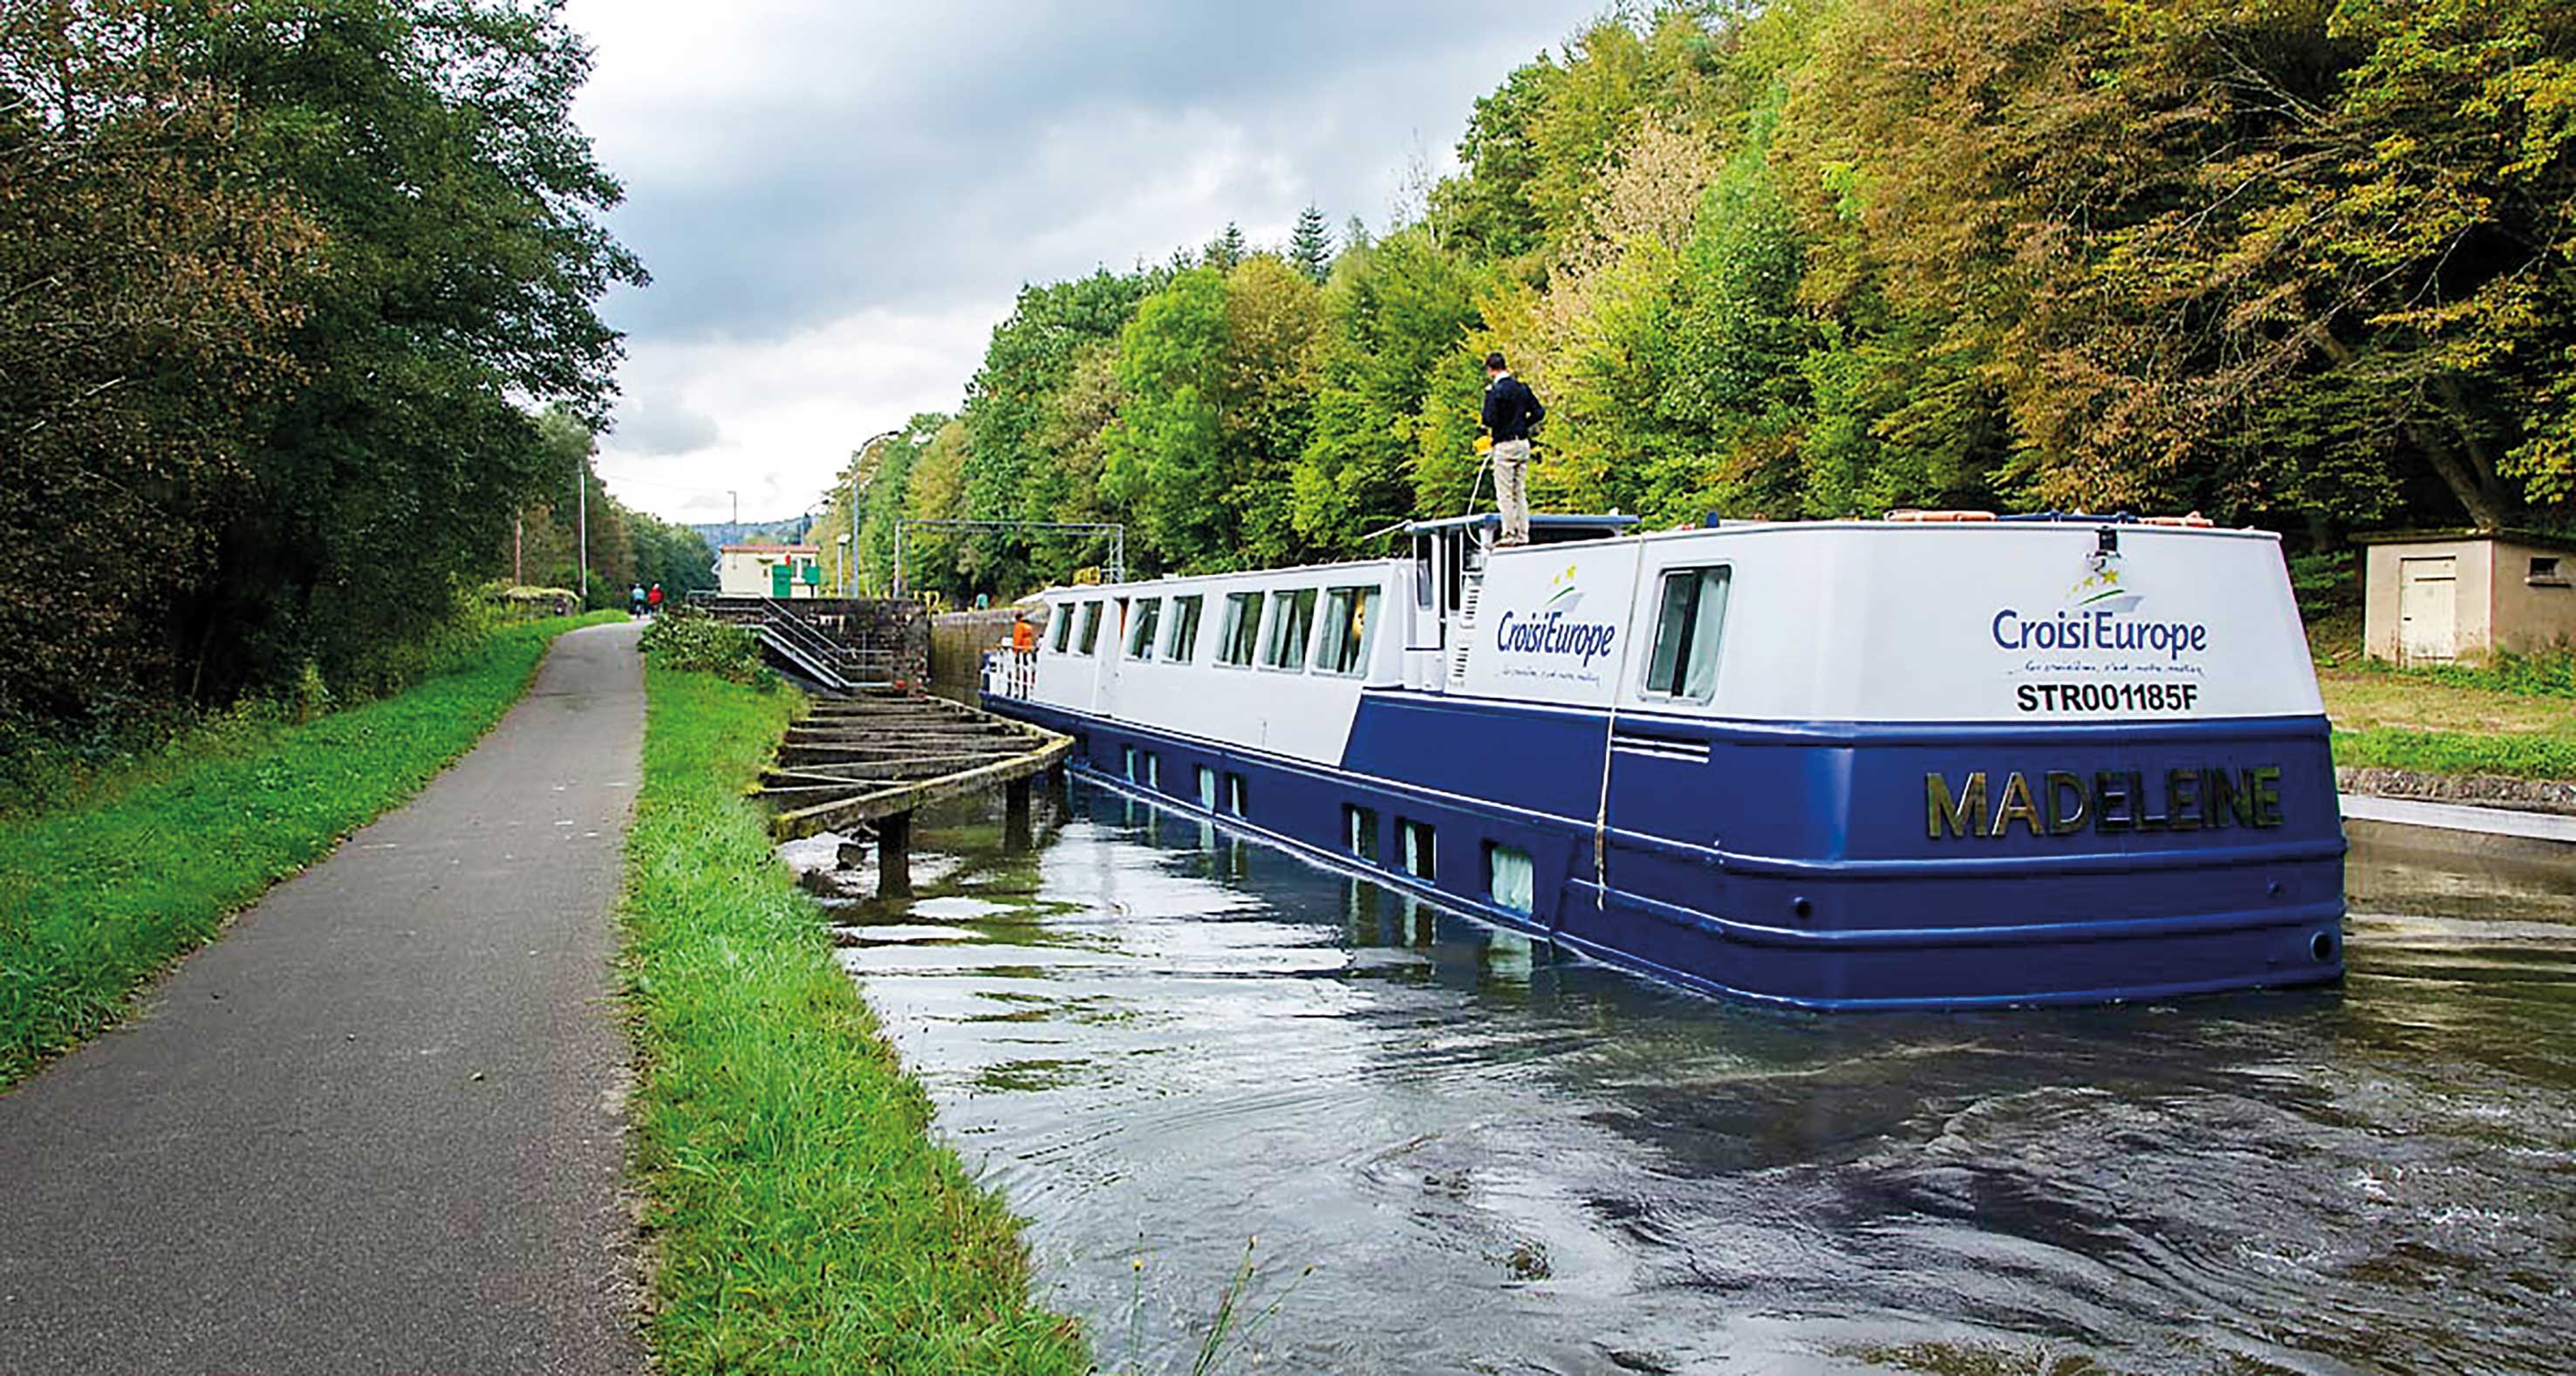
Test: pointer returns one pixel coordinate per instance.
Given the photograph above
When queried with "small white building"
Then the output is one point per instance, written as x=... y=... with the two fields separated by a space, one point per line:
x=769 y=570
x=2437 y=596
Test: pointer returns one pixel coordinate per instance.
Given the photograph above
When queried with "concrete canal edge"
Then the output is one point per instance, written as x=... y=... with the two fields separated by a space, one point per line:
x=798 y=1212
x=2468 y=816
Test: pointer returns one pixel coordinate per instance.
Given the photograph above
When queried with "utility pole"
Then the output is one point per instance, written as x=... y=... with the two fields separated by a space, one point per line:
x=518 y=548
x=737 y=506
x=581 y=503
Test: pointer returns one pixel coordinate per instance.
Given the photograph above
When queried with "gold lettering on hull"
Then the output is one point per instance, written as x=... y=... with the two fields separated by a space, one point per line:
x=2113 y=802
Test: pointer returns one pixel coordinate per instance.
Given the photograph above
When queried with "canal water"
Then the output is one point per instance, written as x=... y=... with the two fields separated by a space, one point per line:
x=1211 y=1075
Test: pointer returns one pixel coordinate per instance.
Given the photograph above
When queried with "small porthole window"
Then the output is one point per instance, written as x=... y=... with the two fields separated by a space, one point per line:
x=1510 y=879
x=1416 y=844
x=1359 y=831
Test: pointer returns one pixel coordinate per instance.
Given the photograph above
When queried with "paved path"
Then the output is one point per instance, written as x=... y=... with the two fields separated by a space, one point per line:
x=375 y=1128
x=2484 y=821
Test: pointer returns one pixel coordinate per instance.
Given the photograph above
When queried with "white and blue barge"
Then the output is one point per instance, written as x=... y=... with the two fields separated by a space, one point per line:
x=1909 y=763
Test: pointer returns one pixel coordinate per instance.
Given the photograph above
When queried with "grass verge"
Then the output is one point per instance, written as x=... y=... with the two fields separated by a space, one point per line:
x=2452 y=752
x=803 y=1219
x=98 y=897
x=2511 y=716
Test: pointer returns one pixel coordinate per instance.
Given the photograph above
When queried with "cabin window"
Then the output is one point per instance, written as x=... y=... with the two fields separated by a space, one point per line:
x=1183 y=645
x=1689 y=616
x=1140 y=630
x=1088 y=639
x=1510 y=879
x=1207 y=788
x=1242 y=628
x=1344 y=649
x=1238 y=798
x=1063 y=626
x=1418 y=845
x=1422 y=581
x=1359 y=831
x=1291 y=627
x=1127 y=763
x=1152 y=769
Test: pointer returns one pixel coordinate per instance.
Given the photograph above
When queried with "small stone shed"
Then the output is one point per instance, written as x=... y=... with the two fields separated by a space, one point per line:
x=2438 y=595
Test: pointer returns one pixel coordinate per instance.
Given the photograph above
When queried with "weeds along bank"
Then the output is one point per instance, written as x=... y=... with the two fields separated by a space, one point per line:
x=801 y=1216
x=99 y=895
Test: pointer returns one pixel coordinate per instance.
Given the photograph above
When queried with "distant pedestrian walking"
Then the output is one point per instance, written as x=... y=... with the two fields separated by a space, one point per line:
x=653 y=600
x=1511 y=412
x=635 y=601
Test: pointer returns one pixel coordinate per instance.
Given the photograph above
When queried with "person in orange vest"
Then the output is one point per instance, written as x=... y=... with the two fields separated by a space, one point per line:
x=1024 y=634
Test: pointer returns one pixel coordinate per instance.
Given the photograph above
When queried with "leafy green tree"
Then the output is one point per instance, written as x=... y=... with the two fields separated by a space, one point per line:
x=1163 y=461
x=150 y=278
x=433 y=143
x=1013 y=477
x=1393 y=309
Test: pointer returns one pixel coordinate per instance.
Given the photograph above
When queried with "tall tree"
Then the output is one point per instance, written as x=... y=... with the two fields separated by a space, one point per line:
x=150 y=279
x=434 y=144
x=1226 y=249
x=1310 y=246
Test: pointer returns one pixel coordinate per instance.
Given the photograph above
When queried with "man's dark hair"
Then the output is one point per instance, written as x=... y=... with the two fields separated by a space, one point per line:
x=1494 y=362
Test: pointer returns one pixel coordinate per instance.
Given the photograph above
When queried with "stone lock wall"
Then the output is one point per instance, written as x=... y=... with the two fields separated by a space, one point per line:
x=958 y=641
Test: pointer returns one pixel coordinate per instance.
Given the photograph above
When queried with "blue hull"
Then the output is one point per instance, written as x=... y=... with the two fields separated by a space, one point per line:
x=1826 y=866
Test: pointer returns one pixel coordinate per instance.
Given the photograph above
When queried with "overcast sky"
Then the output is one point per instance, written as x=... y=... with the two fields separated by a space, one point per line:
x=838 y=201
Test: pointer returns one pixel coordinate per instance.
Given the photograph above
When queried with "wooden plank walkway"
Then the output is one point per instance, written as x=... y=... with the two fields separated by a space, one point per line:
x=870 y=759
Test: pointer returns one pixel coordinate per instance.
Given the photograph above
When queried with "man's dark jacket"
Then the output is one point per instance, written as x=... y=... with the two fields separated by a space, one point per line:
x=1511 y=408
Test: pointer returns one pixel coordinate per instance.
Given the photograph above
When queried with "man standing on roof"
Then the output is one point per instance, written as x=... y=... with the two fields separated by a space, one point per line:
x=1511 y=410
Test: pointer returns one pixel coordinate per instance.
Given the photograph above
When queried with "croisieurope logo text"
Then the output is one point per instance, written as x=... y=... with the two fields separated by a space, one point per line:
x=2098 y=630
x=1551 y=634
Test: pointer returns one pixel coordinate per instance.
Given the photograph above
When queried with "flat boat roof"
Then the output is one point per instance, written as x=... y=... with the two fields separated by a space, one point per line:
x=1539 y=520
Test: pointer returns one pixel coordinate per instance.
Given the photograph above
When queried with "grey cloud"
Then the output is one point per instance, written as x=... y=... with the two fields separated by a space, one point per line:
x=918 y=158
x=648 y=426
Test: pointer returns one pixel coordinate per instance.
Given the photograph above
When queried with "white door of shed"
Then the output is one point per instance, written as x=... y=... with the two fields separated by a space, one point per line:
x=2428 y=608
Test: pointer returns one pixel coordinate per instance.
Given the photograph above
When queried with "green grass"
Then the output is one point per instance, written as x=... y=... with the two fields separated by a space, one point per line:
x=2453 y=752
x=2507 y=715
x=801 y=1216
x=2545 y=675
x=97 y=897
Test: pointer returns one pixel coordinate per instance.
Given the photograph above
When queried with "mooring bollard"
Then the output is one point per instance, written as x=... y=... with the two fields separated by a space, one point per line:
x=894 y=856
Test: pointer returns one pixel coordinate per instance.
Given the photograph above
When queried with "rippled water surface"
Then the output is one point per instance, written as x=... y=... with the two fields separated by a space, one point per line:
x=1463 y=1153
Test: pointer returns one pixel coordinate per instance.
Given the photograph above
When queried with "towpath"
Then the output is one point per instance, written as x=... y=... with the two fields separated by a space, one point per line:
x=2460 y=819
x=375 y=1127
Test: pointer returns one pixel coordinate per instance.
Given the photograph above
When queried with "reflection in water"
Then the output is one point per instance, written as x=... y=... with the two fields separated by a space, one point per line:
x=1163 y=1041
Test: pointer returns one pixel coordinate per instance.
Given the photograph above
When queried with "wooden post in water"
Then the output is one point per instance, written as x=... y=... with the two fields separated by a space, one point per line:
x=894 y=856
x=1016 y=832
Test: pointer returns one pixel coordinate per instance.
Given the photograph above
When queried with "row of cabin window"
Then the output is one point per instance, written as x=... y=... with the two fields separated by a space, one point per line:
x=1509 y=874
x=1340 y=648
x=1510 y=877
x=1690 y=618
x=1146 y=768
